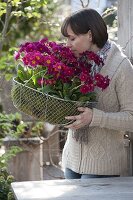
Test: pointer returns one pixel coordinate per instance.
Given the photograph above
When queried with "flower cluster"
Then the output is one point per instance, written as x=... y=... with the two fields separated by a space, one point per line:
x=52 y=68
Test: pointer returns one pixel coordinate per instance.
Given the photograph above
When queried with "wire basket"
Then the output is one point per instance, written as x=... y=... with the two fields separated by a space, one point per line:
x=44 y=107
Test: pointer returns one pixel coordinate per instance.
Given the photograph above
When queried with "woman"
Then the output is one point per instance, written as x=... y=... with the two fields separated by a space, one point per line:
x=95 y=142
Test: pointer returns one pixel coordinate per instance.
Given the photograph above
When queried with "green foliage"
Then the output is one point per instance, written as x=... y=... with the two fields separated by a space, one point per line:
x=5 y=185
x=67 y=91
x=11 y=125
x=110 y=16
x=7 y=64
x=30 y=19
x=24 y=20
x=4 y=158
x=7 y=127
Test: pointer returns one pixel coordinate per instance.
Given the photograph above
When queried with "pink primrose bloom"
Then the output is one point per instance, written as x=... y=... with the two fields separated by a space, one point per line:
x=30 y=47
x=48 y=60
x=33 y=63
x=76 y=71
x=57 y=67
x=42 y=48
x=43 y=81
x=16 y=55
x=84 y=89
x=67 y=71
x=51 y=81
x=30 y=59
x=101 y=82
x=63 y=54
x=39 y=58
x=105 y=82
x=83 y=77
x=52 y=44
x=43 y=41
x=23 y=47
x=25 y=60
x=94 y=57
x=65 y=79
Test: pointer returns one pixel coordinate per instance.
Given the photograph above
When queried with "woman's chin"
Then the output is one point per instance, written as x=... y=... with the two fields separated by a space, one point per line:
x=76 y=54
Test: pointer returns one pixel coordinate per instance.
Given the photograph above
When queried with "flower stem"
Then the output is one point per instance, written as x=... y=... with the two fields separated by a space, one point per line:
x=35 y=75
x=75 y=88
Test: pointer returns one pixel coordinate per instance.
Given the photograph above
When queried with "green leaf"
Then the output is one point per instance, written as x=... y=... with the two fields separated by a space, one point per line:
x=16 y=2
x=66 y=91
x=48 y=89
x=21 y=75
x=8 y=76
x=2 y=12
x=35 y=78
x=84 y=98
x=17 y=13
x=91 y=96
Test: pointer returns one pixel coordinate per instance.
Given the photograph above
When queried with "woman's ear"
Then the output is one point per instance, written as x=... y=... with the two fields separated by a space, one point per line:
x=90 y=35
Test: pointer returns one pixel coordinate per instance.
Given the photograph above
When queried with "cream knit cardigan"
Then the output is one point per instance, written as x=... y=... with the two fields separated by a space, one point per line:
x=105 y=153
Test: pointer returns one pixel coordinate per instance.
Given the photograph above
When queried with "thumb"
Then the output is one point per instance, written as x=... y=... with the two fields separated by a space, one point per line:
x=82 y=109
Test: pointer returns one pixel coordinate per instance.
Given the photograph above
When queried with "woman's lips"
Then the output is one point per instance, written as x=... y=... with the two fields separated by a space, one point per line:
x=75 y=52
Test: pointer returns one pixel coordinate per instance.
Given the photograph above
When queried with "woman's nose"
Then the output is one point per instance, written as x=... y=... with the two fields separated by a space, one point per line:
x=69 y=44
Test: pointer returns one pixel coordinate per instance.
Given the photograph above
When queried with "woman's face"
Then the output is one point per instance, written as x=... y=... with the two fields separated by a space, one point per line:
x=78 y=43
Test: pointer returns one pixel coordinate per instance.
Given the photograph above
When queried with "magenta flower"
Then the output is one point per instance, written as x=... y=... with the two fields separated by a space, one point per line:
x=102 y=82
x=30 y=47
x=42 y=81
x=16 y=55
x=87 y=88
x=83 y=77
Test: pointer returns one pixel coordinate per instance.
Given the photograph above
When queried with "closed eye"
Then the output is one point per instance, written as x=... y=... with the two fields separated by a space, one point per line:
x=71 y=39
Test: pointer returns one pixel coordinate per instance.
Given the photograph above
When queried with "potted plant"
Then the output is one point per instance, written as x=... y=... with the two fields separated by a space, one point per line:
x=51 y=82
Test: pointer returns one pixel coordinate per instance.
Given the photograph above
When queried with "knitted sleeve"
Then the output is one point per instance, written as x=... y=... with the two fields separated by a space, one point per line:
x=122 y=120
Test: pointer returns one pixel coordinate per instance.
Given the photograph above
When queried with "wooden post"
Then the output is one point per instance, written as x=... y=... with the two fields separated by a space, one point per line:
x=125 y=26
x=51 y=149
x=131 y=154
x=125 y=39
x=26 y=165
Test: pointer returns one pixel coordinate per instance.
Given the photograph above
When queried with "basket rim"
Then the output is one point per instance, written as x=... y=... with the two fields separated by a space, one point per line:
x=71 y=101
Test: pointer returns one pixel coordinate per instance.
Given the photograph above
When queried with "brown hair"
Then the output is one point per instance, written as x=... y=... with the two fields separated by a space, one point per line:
x=83 y=21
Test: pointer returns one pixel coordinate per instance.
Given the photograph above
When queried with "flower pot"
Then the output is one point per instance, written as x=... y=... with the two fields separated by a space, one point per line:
x=43 y=106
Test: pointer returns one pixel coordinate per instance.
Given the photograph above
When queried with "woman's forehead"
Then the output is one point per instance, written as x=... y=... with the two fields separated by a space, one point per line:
x=70 y=31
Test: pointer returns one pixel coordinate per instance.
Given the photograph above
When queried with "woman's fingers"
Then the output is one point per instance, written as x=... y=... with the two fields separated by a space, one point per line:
x=76 y=116
x=80 y=120
x=74 y=125
x=82 y=109
x=73 y=117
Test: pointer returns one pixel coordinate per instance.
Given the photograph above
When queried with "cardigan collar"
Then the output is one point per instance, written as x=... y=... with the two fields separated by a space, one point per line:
x=114 y=59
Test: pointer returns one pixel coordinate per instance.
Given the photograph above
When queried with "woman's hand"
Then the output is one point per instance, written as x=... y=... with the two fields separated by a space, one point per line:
x=81 y=120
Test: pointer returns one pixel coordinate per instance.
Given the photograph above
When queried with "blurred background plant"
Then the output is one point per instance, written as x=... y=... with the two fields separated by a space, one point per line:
x=5 y=185
x=20 y=21
x=12 y=127
x=29 y=19
x=110 y=17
